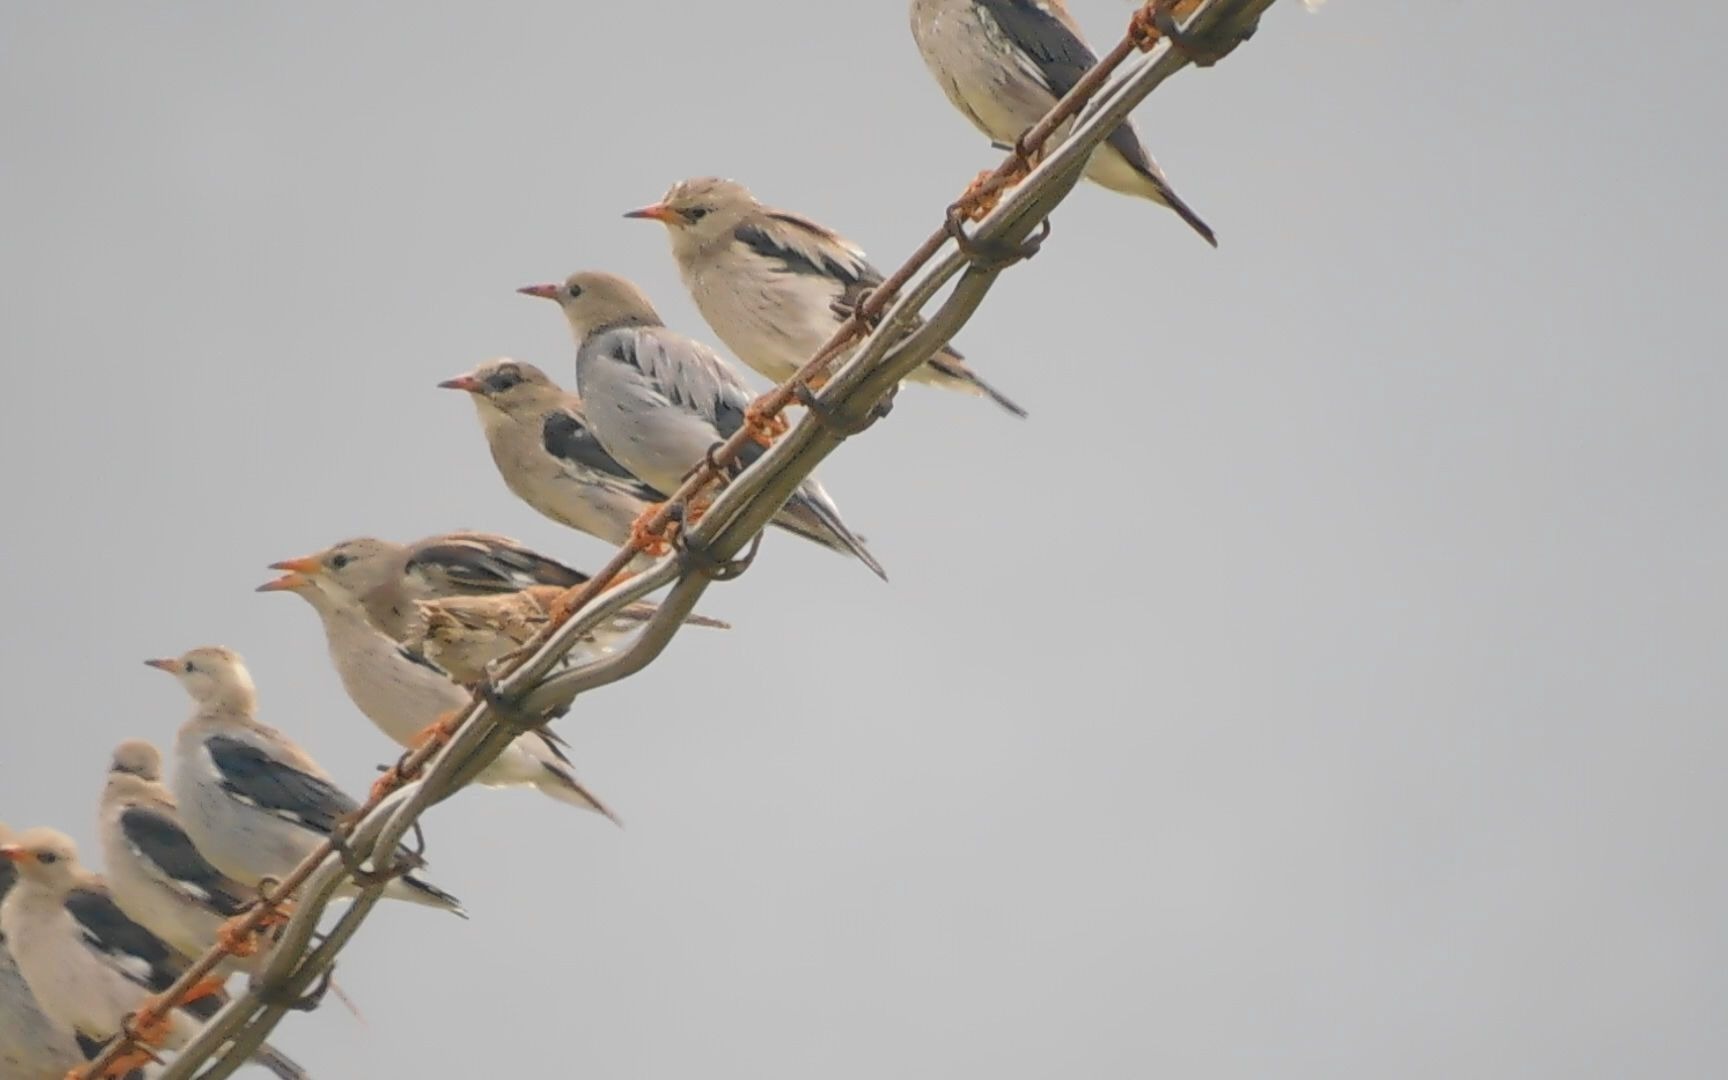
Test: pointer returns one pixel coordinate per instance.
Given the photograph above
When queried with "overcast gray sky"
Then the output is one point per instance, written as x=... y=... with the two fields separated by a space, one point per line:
x=1327 y=680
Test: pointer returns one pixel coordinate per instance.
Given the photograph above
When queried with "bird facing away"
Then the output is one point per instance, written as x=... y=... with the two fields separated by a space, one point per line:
x=541 y=443
x=408 y=697
x=775 y=286
x=155 y=871
x=659 y=401
x=464 y=635
x=88 y=964
x=32 y=1047
x=254 y=802
x=1005 y=63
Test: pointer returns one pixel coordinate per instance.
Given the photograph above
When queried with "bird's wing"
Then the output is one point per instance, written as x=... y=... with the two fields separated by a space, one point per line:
x=123 y=945
x=251 y=775
x=1049 y=48
x=481 y=562
x=801 y=246
x=160 y=841
x=683 y=373
x=568 y=439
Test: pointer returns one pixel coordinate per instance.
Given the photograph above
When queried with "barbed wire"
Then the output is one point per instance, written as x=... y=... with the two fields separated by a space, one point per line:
x=1011 y=206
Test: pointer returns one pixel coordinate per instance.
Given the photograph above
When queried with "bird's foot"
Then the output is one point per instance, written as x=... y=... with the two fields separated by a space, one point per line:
x=1155 y=21
x=703 y=561
x=237 y=939
x=829 y=418
x=438 y=730
x=647 y=539
x=995 y=254
x=764 y=427
x=391 y=779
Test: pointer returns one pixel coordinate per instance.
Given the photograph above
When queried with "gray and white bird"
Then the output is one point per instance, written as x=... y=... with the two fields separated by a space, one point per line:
x=659 y=401
x=89 y=965
x=408 y=697
x=392 y=578
x=155 y=871
x=253 y=802
x=774 y=286
x=1005 y=63
x=32 y=1047
x=549 y=458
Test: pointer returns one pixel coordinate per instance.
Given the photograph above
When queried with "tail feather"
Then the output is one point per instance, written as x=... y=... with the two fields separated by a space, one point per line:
x=977 y=381
x=1183 y=211
x=811 y=514
x=421 y=891
x=561 y=784
x=279 y=1063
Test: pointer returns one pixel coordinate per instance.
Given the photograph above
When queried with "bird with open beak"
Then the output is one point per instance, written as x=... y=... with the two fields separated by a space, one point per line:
x=408 y=697
x=775 y=286
x=32 y=1046
x=1005 y=63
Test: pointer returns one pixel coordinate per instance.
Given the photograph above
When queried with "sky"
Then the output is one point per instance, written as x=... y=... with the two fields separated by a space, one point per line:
x=1325 y=681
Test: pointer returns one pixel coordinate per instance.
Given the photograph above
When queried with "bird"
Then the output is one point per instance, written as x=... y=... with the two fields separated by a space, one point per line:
x=32 y=1047
x=543 y=448
x=407 y=696
x=394 y=580
x=1005 y=63
x=254 y=803
x=774 y=286
x=155 y=871
x=392 y=577
x=464 y=635
x=659 y=401
x=90 y=966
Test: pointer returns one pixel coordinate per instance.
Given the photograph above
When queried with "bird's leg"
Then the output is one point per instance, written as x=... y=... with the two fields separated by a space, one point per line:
x=237 y=939
x=644 y=537
x=764 y=428
x=1155 y=21
x=439 y=730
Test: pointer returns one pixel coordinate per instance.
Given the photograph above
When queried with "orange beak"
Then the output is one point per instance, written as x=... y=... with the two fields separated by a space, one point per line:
x=544 y=292
x=657 y=212
x=462 y=382
x=306 y=565
x=13 y=853
x=169 y=664
x=299 y=575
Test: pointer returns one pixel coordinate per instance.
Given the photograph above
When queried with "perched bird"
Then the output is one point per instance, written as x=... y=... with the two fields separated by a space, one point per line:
x=465 y=634
x=1005 y=63
x=32 y=1047
x=254 y=803
x=155 y=871
x=775 y=286
x=390 y=578
x=88 y=964
x=659 y=401
x=408 y=697
x=394 y=581
x=548 y=457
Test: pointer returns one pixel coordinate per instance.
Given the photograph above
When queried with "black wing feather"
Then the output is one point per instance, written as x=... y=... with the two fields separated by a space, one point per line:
x=107 y=929
x=162 y=841
x=252 y=775
x=488 y=567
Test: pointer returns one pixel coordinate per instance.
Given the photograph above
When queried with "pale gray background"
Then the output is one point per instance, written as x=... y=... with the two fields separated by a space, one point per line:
x=1327 y=680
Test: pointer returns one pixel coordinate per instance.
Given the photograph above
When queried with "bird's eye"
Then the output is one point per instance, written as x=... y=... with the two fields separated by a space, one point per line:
x=573 y=290
x=502 y=381
x=337 y=562
x=191 y=668
x=695 y=214
x=47 y=858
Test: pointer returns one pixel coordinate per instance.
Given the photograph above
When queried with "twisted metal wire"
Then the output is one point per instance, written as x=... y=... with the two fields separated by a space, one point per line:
x=1007 y=213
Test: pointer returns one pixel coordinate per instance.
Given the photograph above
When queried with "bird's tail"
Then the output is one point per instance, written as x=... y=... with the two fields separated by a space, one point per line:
x=1186 y=213
x=418 y=890
x=560 y=782
x=1008 y=403
x=279 y=1063
x=812 y=514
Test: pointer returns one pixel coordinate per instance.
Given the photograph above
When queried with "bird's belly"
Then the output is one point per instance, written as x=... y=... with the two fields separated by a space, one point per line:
x=773 y=326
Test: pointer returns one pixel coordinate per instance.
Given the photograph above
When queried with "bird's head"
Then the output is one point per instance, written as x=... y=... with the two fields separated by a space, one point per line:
x=505 y=387
x=594 y=301
x=44 y=856
x=212 y=675
x=701 y=211
x=136 y=757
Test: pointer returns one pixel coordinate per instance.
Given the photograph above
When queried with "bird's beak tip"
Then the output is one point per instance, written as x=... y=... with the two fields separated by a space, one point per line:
x=285 y=583
x=168 y=664
x=13 y=853
x=544 y=292
x=654 y=212
x=461 y=382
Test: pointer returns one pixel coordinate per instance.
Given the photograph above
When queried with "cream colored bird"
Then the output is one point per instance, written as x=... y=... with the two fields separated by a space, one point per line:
x=32 y=1047
x=408 y=697
x=659 y=402
x=88 y=964
x=391 y=578
x=155 y=871
x=254 y=803
x=774 y=285
x=465 y=635
x=1005 y=63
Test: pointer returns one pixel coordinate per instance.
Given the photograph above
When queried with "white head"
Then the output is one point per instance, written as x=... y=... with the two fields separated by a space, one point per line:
x=338 y=578
x=214 y=677
x=44 y=856
x=593 y=301
x=701 y=213
x=136 y=758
